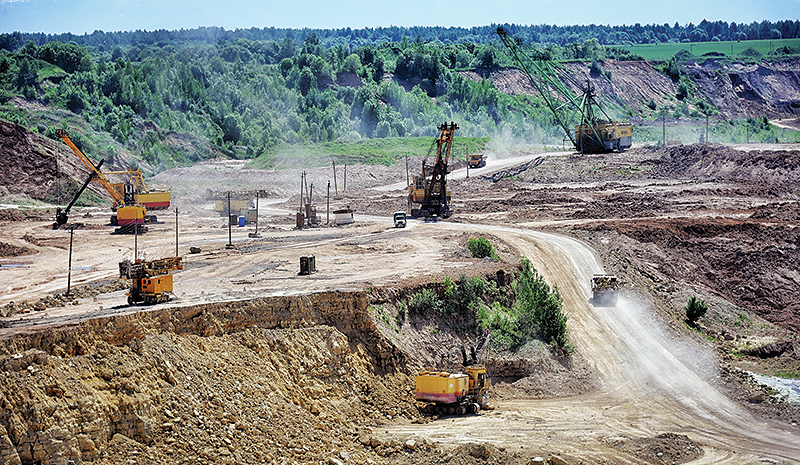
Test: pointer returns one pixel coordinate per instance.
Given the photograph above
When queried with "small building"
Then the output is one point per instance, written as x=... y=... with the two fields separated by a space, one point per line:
x=343 y=216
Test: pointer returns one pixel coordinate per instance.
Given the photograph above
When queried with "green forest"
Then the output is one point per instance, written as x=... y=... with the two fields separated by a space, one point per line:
x=247 y=93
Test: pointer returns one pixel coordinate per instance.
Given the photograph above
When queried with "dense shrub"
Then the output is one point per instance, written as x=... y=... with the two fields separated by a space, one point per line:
x=481 y=248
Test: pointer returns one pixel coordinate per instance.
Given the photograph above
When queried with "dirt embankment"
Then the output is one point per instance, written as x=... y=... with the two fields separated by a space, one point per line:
x=37 y=167
x=736 y=90
x=252 y=382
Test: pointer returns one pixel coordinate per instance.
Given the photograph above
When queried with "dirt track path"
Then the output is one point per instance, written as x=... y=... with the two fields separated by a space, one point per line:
x=651 y=382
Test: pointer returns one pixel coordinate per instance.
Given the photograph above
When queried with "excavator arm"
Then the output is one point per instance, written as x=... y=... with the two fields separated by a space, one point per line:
x=574 y=113
x=116 y=195
x=62 y=216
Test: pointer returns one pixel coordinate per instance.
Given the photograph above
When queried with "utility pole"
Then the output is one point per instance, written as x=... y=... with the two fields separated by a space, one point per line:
x=229 y=245
x=328 y=208
x=135 y=242
x=345 y=178
x=69 y=271
x=408 y=179
x=176 y=231
x=467 y=155
x=335 y=185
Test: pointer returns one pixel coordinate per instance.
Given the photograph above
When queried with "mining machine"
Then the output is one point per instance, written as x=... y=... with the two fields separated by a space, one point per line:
x=129 y=214
x=151 y=281
x=605 y=290
x=430 y=189
x=462 y=392
x=581 y=117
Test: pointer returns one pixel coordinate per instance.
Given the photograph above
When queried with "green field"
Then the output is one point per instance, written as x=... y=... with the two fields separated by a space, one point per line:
x=385 y=151
x=662 y=52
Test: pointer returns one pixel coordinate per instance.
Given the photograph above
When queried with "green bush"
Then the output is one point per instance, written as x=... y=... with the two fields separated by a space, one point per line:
x=537 y=313
x=539 y=308
x=425 y=301
x=481 y=248
x=695 y=309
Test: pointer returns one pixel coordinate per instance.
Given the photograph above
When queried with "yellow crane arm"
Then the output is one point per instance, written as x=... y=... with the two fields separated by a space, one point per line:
x=88 y=163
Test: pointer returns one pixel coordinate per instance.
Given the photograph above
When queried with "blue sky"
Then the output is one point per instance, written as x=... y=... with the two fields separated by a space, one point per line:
x=86 y=16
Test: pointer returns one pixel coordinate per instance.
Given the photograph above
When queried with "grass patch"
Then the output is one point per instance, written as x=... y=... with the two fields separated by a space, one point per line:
x=386 y=151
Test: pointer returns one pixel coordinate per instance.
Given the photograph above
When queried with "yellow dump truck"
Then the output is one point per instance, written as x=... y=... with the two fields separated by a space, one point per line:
x=476 y=160
x=237 y=206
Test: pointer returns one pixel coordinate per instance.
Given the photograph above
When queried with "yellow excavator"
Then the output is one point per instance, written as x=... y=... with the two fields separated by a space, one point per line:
x=129 y=214
x=457 y=393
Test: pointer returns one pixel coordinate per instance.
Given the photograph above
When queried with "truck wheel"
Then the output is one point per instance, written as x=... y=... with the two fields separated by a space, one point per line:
x=476 y=408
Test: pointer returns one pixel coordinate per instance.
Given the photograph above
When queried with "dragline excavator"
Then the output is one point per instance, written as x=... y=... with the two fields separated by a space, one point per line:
x=576 y=114
x=430 y=189
x=129 y=214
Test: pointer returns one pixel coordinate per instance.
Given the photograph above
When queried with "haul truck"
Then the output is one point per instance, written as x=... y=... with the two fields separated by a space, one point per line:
x=605 y=290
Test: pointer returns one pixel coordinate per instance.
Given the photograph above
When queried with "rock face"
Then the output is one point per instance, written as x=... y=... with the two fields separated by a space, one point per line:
x=229 y=382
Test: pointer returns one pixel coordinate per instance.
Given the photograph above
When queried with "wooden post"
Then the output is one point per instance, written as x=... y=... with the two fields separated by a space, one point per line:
x=328 y=208
x=230 y=239
x=408 y=179
x=176 y=231
x=467 y=154
x=335 y=186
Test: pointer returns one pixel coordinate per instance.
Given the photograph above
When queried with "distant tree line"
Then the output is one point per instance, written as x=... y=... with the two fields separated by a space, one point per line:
x=351 y=38
x=248 y=95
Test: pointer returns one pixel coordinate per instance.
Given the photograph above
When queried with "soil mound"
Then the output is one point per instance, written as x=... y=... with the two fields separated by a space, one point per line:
x=664 y=448
x=8 y=250
x=715 y=162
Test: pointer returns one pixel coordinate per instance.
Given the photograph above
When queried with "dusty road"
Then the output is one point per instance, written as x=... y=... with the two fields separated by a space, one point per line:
x=651 y=382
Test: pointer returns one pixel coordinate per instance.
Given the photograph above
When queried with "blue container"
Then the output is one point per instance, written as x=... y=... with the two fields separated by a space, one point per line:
x=241 y=222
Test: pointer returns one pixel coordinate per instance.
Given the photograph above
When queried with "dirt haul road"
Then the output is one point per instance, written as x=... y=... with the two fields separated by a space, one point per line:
x=651 y=383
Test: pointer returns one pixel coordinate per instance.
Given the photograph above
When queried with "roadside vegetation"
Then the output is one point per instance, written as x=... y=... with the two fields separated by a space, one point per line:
x=526 y=310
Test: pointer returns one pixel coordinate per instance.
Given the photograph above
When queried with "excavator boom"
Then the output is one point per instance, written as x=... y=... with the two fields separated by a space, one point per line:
x=129 y=214
x=574 y=113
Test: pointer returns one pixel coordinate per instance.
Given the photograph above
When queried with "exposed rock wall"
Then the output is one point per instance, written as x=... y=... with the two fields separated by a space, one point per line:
x=243 y=381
